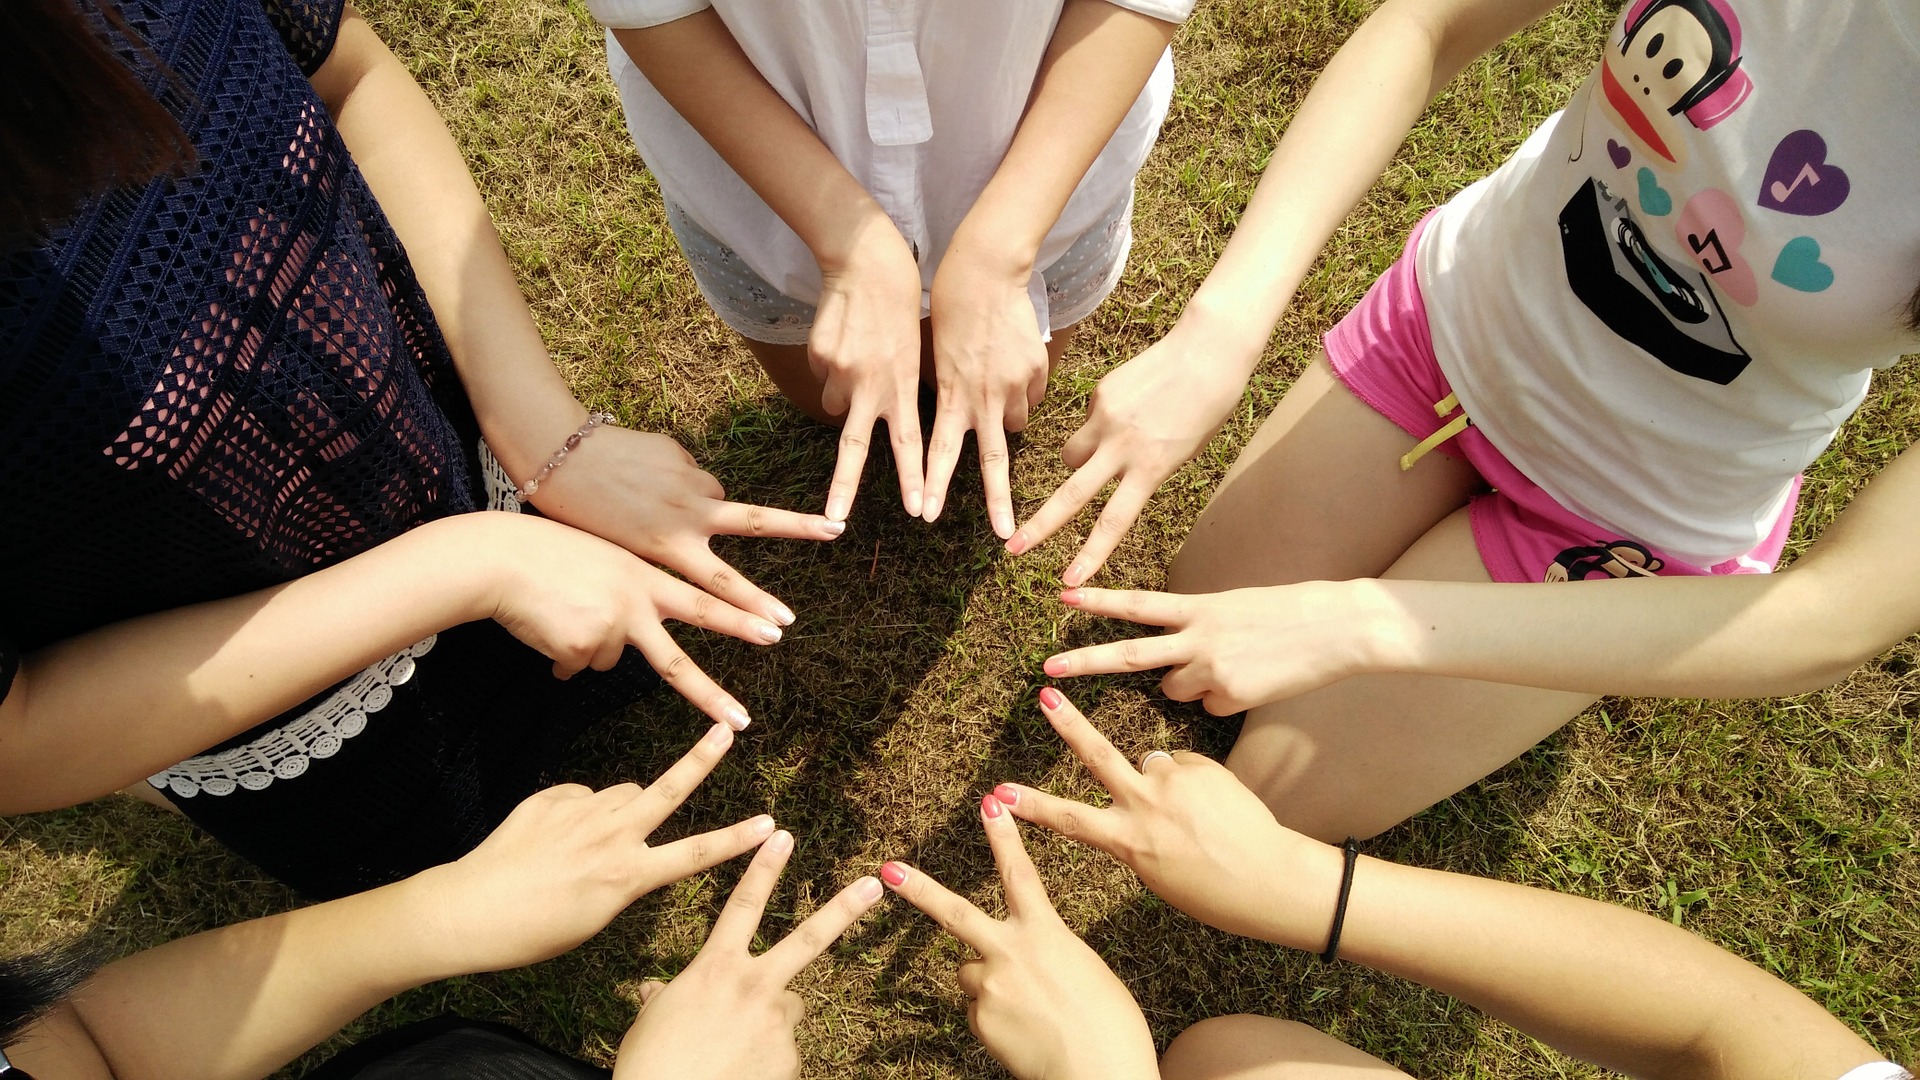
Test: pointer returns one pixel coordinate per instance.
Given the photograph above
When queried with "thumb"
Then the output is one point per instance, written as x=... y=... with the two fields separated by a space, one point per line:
x=649 y=989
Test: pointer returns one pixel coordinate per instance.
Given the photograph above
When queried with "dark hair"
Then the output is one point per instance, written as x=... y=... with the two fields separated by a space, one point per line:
x=36 y=982
x=76 y=119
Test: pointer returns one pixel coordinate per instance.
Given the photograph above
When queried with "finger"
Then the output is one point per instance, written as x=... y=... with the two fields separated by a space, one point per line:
x=1026 y=896
x=903 y=428
x=954 y=913
x=992 y=439
x=855 y=435
x=747 y=519
x=821 y=929
x=794 y=1009
x=650 y=990
x=1089 y=825
x=697 y=607
x=973 y=978
x=1066 y=501
x=1122 y=510
x=943 y=454
x=658 y=800
x=1131 y=654
x=1107 y=765
x=710 y=572
x=1082 y=444
x=1133 y=605
x=1182 y=682
x=733 y=931
x=689 y=855
x=608 y=655
x=685 y=676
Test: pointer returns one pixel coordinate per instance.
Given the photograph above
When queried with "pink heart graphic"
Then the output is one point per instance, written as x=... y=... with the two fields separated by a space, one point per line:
x=1711 y=230
x=1799 y=180
x=1620 y=154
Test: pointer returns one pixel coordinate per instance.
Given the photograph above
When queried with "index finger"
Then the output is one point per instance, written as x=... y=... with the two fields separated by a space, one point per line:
x=954 y=913
x=821 y=929
x=1068 y=499
x=991 y=437
x=855 y=436
x=1122 y=510
x=658 y=800
x=1109 y=766
x=750 y=519
x=685 y=676
x=903 y=431
x=1133 y=605
x=1026 y=895
x=740 y=919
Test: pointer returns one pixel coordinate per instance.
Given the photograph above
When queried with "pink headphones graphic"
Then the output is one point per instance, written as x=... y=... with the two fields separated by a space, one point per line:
x=1725 y=85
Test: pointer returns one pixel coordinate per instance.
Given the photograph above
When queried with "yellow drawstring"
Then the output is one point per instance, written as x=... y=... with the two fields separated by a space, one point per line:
x=1453 y=427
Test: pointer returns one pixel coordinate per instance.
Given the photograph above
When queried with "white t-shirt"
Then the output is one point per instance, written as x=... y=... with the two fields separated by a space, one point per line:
x=1664 y=305
x=1878 y=1070
x=918 y=99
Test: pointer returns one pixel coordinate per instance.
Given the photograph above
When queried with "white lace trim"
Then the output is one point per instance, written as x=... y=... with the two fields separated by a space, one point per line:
x=286 y=751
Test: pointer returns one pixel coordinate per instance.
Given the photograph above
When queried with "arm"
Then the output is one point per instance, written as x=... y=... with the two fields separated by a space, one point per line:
x=639 y=490
x=990 y=363
x=240 y=1002
x=1152 y=414
x=1628 y=991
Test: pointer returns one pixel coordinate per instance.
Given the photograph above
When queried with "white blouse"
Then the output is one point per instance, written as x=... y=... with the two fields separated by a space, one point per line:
x=919 y=99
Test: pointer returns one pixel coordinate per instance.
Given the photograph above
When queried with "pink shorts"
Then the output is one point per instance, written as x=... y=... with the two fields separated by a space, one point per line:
x=1383 y=352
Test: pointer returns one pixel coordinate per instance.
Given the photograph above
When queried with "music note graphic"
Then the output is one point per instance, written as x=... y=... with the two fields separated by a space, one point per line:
x=1719 y=263
x=1807 y=175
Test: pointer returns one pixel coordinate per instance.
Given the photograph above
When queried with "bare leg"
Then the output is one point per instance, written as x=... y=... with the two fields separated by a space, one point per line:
x=1318 y=495
x=144 y=792
x=1362 y=755
x=1262 y=1048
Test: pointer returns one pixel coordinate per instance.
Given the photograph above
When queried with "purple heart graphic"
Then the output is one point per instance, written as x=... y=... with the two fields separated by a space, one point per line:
x=1620 y=154
x=1799 y=180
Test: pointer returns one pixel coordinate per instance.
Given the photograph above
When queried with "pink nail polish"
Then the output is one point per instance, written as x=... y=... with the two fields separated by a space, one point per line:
x=1075 y=575
x=990 y=807
x=1070 y=597
x=1049 y=697
x=1055 y=666
x=1017 y=544
x=894 y=874
x=1007 y=794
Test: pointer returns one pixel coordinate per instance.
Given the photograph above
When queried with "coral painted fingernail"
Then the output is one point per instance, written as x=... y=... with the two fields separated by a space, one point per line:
x=990 y=807
x=737 y=718
x=868 y=889
x=1017 y=544
x=1049 y=697
x=1055 y=666
x=1070 y=597
x=894 y=874
x=1008 y=794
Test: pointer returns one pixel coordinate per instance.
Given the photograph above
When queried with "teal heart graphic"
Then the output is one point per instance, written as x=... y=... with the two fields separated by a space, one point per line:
x=1654 y=198
x=1799 y=266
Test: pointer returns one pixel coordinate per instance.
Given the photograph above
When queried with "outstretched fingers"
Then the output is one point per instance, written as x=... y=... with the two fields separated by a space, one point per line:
x=1123 y=508
x=1107 y=765
x=943 y=452
x=685 y=676
x=1067 y=500
x=995 y=474
x=821 y=929
x=689 y=855
x=1089 y=825
x=856 y=436
x=1026 y=895
x=954 y=913
x=740 y=919
x=658 y=800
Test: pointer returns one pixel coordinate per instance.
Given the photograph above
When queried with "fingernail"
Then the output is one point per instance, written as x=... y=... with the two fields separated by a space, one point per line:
x=990 y=807
x=932 y=508
x=894 y=874
x=782 y=614
x=716 y=737
x=768 y=632
x=1008 y=794
x=761 y=825
x=1071 y=597
x=833 y=528
x=1017 y=544
x=868 y=889
x=1055 y=666
x=737 y=718
x=1002 y=526
x=1049 y=697
x=780 y=843
x=913 y=505
x=837 y=509
x=1076 y=574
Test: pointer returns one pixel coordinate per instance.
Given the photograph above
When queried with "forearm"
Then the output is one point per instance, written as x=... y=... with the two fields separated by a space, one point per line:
x=94 y=713
x=698 y=67
x=1336 y=146
x=1095 y=65
x=415 y=170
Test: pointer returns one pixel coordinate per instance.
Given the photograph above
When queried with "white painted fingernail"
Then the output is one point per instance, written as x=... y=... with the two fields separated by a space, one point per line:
x=737 y=718
x=932 y=509
x=782 y=614
x=833 y=528
x=913 y=505
x=837 y=508
x=769 y=633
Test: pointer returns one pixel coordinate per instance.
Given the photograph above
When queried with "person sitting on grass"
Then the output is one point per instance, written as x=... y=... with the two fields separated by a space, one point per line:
x=246 y=581
x=1627 y=991
x=241 y=1002
x=1625 y=345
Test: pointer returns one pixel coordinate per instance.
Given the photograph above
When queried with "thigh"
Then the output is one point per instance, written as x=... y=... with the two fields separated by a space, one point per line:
x=1364 y=754
x=1262 y=1048
x=1318 y=494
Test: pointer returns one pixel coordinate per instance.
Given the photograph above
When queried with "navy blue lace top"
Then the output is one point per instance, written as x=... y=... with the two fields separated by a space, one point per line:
x=222 y=381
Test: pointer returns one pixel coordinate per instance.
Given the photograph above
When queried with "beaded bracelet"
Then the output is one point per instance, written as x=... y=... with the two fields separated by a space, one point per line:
x=559 y=458
x=1351 y=850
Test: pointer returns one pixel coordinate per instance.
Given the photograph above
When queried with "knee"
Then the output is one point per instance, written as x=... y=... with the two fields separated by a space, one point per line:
x=1278 y=766
x=1244 y=1047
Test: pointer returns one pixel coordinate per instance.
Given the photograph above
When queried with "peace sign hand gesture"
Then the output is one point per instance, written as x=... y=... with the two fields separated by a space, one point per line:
x=1044 y=1003
x=729 y=1015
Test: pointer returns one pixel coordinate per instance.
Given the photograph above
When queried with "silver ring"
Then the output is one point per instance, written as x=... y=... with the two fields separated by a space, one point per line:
x=1152 y=755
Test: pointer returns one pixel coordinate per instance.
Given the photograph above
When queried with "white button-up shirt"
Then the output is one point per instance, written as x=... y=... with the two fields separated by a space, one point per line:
x=918 y=99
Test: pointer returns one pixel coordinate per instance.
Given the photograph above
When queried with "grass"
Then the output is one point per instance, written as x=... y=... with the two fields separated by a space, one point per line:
x=1785 y=830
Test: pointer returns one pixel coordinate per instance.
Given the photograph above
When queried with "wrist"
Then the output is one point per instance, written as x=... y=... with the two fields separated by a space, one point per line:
x=1230 y=338
x=1002 y=252
x=1305 y=889
x=859 y=236
x=1386 y=637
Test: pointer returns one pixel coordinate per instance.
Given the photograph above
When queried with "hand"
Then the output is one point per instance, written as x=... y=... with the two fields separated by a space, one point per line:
x=1195 y=835
x=644 y=492
x=582 y=601
x=1233 y=651
x=566 y=861
x=1147 y=418
x=991 y=368
x=865 y=347
x=1043 y=1003
x=729 y=1015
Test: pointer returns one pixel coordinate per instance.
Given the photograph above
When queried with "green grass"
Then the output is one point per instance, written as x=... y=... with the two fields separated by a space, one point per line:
x=1784 y=830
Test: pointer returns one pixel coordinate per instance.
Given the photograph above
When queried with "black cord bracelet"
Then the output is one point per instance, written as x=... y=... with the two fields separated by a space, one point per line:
x=1352 y=850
